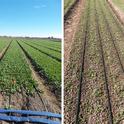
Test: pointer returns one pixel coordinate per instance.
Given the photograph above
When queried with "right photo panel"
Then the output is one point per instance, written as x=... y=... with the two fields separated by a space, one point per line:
x=94 y=62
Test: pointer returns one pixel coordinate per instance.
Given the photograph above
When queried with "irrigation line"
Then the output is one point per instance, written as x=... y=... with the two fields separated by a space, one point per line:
x=112 y=37
x=41 y=99
x=82 y=65
x=110 y=114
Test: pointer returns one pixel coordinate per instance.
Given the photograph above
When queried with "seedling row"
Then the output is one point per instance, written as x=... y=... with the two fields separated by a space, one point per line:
x=16 y=75
x=98 y=68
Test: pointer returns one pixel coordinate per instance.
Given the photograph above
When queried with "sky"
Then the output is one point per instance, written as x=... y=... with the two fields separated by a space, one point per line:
x=35 y=18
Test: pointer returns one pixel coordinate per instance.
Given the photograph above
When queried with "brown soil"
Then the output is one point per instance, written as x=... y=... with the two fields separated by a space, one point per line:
x=117 y=11
x=71 y=24
x=22 y=101
x=1 y=100
x=94 y=97
x=49 y=98
x=71 y=78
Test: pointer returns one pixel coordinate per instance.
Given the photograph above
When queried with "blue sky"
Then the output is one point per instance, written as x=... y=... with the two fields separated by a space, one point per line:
x=30 y=18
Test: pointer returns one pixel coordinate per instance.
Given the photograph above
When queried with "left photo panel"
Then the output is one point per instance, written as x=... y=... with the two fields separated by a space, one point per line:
x=30 y=61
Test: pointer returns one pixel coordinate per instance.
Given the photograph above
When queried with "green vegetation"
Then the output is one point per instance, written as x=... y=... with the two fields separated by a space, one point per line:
x=98 y=34
x=119 y=3
x=51 y=43
x=15 y=72
x=3 y=44
x=67 y=5
x=47 y=66
x=45 y=49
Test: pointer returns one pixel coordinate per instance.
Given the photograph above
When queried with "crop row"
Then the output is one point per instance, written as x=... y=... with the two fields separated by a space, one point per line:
x=46 y=42
x=14 y=72
x=111 y=37
x=119 y=3
x=48 y=52
x=94 y=98
x=99 y=37
x=72 y=77
x=67 y=5
x=47 y=66
x=116 y=29
x=114 y=58
x=47 y=47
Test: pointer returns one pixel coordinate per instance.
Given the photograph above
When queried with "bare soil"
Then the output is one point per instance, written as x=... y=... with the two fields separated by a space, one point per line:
x=50 y=99
x=70 y=28
x=71 y=78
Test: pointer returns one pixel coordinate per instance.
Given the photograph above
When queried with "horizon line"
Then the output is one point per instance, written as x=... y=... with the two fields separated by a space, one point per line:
x=31 y=36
